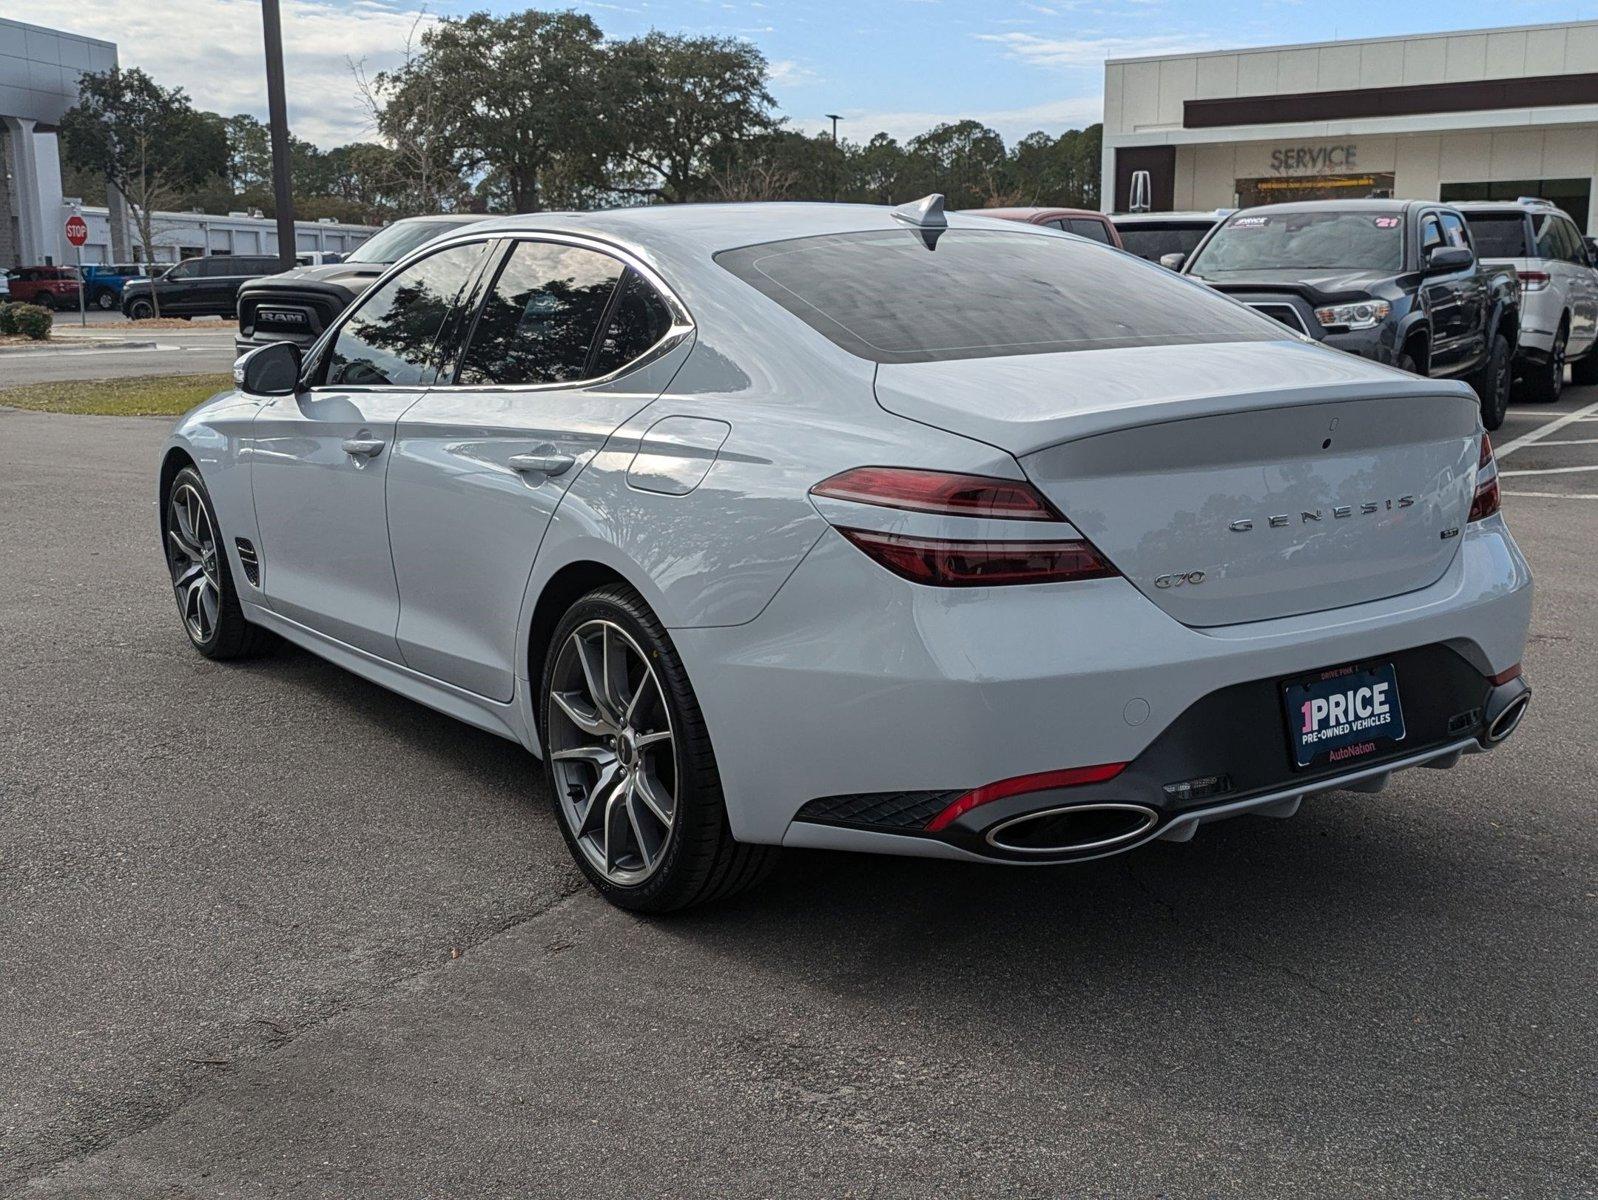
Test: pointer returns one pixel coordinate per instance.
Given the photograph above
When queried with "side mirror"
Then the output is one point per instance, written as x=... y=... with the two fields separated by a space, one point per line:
x=1173 y=261
x=271 y=370
x=1444 y=259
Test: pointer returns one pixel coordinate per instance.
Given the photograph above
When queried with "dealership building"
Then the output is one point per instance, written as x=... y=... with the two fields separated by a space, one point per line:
x=39 y=70
x=1482 y=115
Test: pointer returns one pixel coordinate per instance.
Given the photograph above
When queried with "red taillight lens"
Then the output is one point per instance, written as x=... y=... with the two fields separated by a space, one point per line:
x=944 y=492
x=942 y=562
x=1533 y=281
x=1486 y=501
x=1042 y=782
x=1505 y=676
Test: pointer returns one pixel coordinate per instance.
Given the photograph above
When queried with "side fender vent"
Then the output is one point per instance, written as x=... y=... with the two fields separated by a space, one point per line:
x=250 y=561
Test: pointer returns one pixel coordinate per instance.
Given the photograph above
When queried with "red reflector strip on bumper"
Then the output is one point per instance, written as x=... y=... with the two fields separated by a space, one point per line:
x=1043 y=781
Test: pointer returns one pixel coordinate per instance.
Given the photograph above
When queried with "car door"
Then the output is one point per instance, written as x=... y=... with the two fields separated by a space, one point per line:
x=569 y=342
x=318 y=459
x=1441 y=299
x=179 y=286
x=1583 y=287
x=1470 y=291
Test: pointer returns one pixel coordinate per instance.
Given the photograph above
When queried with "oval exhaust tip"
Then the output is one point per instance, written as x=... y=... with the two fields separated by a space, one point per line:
x=1074 y=829
x=1506 y=722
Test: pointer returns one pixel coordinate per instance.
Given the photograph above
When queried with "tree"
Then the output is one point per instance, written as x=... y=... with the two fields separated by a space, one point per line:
x=680 y=105
x=965 y=160
x=517 y=98
x=146 y=140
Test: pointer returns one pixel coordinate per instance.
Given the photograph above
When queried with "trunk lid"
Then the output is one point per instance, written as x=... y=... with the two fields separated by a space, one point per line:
x=1289 y=478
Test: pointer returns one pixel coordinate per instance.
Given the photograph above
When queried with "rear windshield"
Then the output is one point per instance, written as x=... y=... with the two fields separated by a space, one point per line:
x=1499 y=235
x=889 y=297
x=1353 y=241
x=1153 y=242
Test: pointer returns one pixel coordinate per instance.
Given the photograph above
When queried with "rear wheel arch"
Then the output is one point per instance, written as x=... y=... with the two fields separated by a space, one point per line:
x=1417 y=345
x=563 y=589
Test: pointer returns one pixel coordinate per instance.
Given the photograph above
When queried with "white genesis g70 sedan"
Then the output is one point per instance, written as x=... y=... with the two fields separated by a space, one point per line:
x=884 y=530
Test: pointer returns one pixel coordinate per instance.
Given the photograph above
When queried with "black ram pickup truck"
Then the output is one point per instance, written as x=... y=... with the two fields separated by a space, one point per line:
x=298 y=305
x=1397 y=281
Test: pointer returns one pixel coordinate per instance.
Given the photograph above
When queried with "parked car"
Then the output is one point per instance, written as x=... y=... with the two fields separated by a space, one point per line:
x=204 y=286
x=297 y=306
x=1558 y=288
x=1083 y=222
x=52 y=287
x=1156 y=235
x=771 y=525
x=1391 y=280
x=105 y=282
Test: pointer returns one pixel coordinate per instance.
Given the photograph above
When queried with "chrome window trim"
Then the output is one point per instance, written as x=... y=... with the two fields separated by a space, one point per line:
x=681 y=328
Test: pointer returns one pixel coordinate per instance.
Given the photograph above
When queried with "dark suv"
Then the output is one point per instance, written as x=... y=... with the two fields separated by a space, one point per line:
x=1397 y=281
x=206 y=286
x=297 y=305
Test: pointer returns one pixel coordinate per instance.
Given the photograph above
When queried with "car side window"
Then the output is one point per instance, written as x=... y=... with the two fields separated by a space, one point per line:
x=639 y=319
x=1454 y=231
x=1573 y=250
x=1547 y=237
x=1431 y=234
x=1083 y=227
x=540 y=319
x=389 y=339
x=184 y=270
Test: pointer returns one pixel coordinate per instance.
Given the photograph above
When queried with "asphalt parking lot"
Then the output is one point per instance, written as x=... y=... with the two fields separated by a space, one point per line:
x=271 y=930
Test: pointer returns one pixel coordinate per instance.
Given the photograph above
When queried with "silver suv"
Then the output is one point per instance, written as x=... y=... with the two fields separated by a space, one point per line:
x=1559 y=287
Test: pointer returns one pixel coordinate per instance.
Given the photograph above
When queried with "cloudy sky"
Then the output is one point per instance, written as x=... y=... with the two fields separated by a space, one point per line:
x=894 y=65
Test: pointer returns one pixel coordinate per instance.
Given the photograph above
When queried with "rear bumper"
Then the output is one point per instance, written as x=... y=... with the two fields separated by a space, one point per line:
x=856 y=684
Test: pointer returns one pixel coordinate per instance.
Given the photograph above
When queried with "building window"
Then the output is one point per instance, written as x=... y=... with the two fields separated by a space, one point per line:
x=1572 y=195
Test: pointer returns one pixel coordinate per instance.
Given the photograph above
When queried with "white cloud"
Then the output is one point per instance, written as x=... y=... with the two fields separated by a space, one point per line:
x=213 y=50
x=786 y=72
x=1052 y=116
x=1040 y=51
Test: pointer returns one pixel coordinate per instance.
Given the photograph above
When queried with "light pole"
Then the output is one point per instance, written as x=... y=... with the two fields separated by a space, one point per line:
x=278 y=120
x=833 y=117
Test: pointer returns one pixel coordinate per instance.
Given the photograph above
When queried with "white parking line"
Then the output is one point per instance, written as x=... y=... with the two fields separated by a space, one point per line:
x=1556 y=495
x=1547 y=471
x=1542 y=431
x=1570 y=442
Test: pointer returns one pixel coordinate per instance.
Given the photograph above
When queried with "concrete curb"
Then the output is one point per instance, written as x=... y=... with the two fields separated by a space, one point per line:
x=68 y=345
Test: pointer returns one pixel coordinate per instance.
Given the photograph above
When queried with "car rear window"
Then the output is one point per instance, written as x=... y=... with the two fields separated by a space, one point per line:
x=1154 y=241
x=894 y=296
x=1499 y=235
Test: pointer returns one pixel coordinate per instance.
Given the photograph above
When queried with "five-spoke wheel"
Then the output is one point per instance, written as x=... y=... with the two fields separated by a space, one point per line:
x=612 y=751
x=191 y=556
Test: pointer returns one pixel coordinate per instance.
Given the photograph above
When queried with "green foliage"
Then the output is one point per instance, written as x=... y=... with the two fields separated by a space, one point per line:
x=537 y=110
x=29 y=320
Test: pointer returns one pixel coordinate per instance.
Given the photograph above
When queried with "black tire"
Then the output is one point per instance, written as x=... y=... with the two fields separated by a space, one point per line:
x=1584 y=370
x=1544 y=381
x=1492 y=383
x=229 y=635
x=105 y=299
x=140 y=310
x=700 y=861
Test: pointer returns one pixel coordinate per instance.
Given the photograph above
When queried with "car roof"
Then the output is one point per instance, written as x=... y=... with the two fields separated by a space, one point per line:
x=704 y=230
x=1350 y=205
x=1033 y=214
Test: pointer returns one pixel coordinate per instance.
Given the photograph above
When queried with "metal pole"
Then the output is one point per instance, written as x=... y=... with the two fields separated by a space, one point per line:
x=277 y=118
x=83 y=312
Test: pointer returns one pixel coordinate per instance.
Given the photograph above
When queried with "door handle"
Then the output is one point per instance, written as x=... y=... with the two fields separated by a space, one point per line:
x=363 y=447
x=551 y=463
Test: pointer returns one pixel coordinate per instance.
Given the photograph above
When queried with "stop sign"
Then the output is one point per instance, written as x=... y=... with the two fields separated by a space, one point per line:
x=77 y=230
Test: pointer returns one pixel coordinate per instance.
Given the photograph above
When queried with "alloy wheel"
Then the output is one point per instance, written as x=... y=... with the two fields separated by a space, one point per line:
x=1556 y=380
x=612 y=752
x=191 y=553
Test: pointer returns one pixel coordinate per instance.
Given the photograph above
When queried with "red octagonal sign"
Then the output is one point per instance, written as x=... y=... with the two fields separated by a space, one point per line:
x=77 y=230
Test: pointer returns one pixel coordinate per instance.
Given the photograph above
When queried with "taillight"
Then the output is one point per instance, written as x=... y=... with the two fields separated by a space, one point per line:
x=946 y=562
x=1486 y=500
x=1044 y=781
x=944 y=492
x=1533 y=281
x=962 y=562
